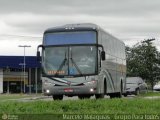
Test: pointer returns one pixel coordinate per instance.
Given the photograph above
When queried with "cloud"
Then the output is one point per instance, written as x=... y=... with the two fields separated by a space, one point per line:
x=90 y=7
x=13 y=49
x=129 y=20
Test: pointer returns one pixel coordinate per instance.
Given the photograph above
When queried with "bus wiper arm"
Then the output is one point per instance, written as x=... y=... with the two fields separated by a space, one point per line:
x=74 y=63
x=76 y=66
x=62 y=64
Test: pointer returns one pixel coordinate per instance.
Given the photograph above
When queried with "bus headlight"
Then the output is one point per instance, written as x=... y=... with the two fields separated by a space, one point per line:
x=47 y=91
x=91 y=90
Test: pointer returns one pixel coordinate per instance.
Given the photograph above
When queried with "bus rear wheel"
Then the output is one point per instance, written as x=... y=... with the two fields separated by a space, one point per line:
x=137 y=92
x=118 y=94
x=57 y=97
x=99 y=96
x=115 y=95
x=112 y=95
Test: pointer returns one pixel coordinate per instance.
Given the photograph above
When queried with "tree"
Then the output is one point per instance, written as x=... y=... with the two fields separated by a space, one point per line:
x=143 y=61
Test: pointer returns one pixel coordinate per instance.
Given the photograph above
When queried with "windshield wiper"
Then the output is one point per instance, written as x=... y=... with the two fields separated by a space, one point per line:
x=62 y=64
x=74 y=63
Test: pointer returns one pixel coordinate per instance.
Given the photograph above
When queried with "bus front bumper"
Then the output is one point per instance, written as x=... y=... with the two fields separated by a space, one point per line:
x=70 y=90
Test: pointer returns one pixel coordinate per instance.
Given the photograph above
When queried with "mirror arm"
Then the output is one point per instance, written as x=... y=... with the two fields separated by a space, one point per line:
x=38 y=52
x=39 y=47
x=102 y=53
x=101 y=47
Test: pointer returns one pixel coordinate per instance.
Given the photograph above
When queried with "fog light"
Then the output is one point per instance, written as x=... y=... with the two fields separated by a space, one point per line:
x=47 y=91
x=91 y=90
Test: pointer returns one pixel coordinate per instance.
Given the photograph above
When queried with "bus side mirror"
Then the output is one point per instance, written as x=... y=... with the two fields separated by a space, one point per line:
x=38 y=56
x=103 y=55
x=38 y=53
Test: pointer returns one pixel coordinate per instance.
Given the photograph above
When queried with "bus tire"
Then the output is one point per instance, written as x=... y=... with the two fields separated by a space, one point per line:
x=113 y=95
x=137 y=92
x=125 y=95
x=119 y=95
x=84 y=96
x=57 y=97
x=99 y=96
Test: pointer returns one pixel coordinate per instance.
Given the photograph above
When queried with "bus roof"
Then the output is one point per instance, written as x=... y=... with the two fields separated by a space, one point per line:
x=73 y=27
x=79 y=27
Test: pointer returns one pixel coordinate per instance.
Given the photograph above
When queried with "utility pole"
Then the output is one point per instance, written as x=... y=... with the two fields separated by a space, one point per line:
x=24 y=62
x=21 y=64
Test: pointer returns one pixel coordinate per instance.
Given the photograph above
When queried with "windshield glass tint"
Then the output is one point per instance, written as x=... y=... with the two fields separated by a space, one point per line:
x=82 y=60
x=75 y=60
x=55 y=60
x=65 y=38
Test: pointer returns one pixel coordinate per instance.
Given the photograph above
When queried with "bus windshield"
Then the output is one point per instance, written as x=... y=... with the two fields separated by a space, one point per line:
x=70 y=60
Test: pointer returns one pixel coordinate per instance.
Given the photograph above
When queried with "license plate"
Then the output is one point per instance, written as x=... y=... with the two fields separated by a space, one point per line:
x=68 y=90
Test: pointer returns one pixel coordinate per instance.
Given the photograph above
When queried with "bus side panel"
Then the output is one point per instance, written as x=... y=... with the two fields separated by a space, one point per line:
x=115 y=53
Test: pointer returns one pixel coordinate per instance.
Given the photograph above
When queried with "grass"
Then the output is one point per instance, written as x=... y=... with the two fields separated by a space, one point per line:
x=42 y=110
x=91 y=106
x=149 y=94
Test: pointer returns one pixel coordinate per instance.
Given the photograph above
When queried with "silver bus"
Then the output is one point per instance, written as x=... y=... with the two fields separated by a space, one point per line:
x=82 y=60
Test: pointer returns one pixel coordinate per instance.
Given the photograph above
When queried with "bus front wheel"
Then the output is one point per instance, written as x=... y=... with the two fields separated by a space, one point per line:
x=57 y=97
x=99 y=96
x=115 y=95
x=84 y=96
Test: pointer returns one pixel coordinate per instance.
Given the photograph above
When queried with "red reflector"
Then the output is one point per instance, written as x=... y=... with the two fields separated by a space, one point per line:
x=68 y=90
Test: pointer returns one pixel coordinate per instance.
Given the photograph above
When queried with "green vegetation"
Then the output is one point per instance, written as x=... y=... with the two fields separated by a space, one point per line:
x=91 y=106
x=149 y=94
x=42 y=110
x=143 y=61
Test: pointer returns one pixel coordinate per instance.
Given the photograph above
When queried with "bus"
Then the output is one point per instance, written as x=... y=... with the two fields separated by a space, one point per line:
x=82 y=60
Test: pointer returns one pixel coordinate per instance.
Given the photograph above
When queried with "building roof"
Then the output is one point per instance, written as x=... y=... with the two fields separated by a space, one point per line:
x=17 y=62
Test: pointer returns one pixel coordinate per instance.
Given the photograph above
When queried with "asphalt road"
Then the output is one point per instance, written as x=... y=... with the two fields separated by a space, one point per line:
x=49 y=98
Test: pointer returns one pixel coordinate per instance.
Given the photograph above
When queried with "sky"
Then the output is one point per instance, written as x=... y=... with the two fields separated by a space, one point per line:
x=22 y=22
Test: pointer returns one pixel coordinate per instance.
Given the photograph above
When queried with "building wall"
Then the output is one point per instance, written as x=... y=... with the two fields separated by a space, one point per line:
x=1 y=80
x=12 y=81
x=34 y=80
